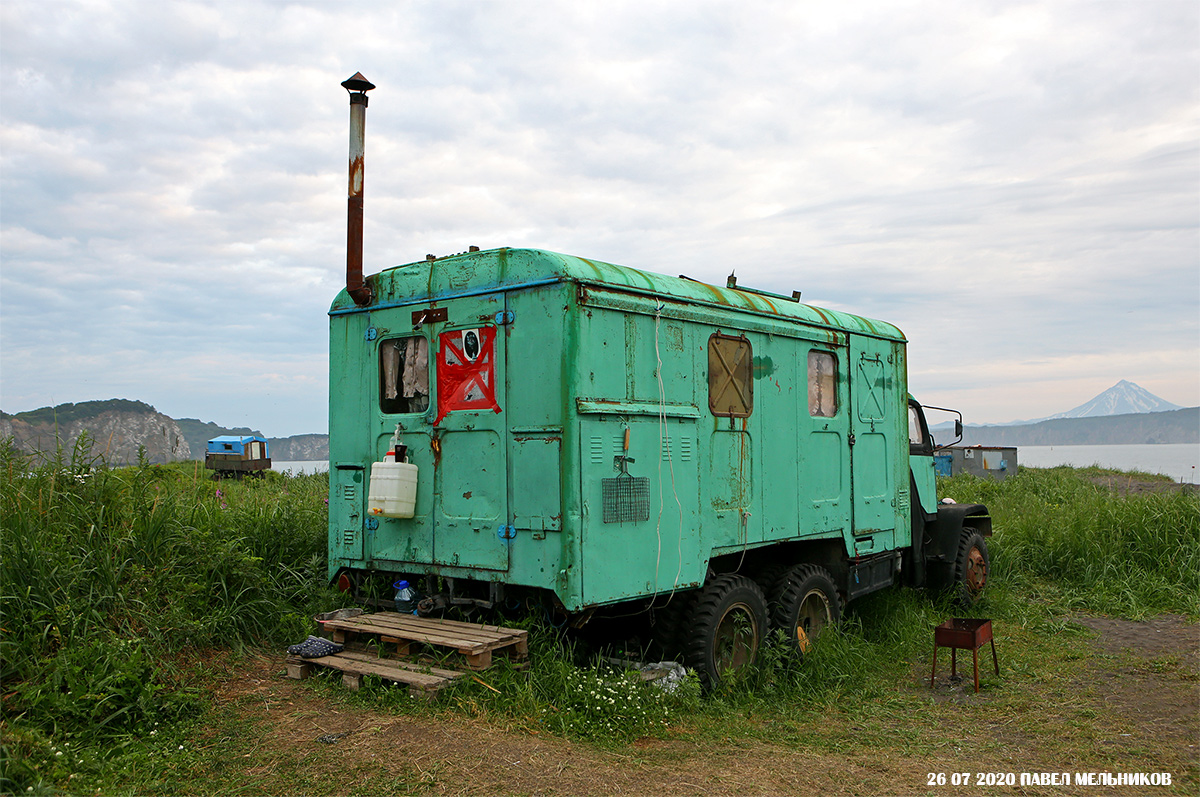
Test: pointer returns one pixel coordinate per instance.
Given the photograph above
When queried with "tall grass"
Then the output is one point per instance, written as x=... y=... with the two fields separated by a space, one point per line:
x=109 y=575
x=1066 y=536
x=104 y=573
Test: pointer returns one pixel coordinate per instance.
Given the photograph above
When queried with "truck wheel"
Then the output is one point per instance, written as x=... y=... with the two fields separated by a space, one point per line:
x=670 y=624
x=728 y=622
x=803 y=603
x=768 y=578
x=971 y=568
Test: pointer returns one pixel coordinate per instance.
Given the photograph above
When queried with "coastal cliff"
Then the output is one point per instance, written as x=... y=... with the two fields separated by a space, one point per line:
x=117 y=428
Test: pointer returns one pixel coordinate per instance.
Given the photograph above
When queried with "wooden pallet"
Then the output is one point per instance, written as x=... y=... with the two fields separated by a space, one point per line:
x=475 y=642
x=422 y=681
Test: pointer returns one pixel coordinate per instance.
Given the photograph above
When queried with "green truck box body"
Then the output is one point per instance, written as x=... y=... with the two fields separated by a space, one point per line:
x=626 y=427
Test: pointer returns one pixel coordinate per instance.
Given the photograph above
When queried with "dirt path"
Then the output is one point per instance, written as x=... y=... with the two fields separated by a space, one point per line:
x=1144 y=687
x=473 y=758
x=1143 y=683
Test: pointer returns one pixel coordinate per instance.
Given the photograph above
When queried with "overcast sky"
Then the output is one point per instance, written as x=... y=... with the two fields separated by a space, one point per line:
x=1015 y=185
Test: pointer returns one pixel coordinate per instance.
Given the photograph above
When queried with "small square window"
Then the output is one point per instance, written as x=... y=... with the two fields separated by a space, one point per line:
x=404 y=375
x=730 y=377
x=822 y=384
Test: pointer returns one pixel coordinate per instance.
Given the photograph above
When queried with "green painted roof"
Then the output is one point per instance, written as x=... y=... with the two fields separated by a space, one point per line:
x=504 y=269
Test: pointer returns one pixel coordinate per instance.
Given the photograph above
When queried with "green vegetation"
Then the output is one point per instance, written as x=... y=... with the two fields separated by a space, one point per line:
x=108 y=575
x=119 y=585
x=69 y=413
x=1065 y=536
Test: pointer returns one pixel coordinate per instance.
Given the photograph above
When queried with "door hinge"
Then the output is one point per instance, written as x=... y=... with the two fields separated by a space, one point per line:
x=507 y=532
x=505 y=317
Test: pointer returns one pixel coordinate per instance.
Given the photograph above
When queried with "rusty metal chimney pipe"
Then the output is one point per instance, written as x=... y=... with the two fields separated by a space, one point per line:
x=359 y=290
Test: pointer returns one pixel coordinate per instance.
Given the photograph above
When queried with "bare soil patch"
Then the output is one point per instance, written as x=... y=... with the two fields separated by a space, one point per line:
x=1163 y=635
x=1153 y=684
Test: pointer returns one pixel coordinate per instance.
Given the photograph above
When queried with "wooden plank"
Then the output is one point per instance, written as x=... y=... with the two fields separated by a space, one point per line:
x=363 y=662
x=412 y=625
x=430 y=624
x=402 y=645
x=428 y=636
x=404 y=665
x=466 y=637
x=384 y=668
x=417 y=636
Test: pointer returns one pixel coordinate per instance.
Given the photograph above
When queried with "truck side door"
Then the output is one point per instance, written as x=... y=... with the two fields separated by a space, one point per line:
x=876 y=433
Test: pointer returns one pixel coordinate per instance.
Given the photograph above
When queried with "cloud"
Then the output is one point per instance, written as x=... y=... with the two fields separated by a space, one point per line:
x=1011 y=183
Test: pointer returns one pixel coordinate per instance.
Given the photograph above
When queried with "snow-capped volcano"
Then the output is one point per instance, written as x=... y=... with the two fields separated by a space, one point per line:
x=1123 y=398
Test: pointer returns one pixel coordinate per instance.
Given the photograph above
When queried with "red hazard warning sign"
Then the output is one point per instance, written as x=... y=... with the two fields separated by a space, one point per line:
x=466 y=372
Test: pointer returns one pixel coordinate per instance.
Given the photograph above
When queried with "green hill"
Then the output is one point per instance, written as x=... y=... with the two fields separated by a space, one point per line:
x=69 y=413
x=198 y=433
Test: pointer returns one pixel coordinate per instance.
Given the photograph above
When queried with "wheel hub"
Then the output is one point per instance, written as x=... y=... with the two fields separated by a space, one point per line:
x=736 y=640
x=976 y=575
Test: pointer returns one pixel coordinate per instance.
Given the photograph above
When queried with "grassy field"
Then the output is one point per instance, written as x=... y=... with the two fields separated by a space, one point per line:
x=145 y=609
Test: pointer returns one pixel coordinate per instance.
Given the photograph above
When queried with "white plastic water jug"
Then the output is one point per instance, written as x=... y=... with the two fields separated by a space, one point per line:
x=393 y=491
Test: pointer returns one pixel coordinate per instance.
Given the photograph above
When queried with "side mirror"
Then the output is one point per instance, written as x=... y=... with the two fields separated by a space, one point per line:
x=958 y=428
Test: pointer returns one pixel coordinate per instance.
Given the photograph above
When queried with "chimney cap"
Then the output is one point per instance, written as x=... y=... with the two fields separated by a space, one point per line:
x=357 y=83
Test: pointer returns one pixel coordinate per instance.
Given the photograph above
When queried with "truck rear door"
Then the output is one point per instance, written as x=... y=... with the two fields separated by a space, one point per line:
x=470 y=466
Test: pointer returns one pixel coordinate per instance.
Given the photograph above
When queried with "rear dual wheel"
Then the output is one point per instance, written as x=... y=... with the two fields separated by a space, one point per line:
x=669 y=624
x=804 y=602
x=728 y=624
x=728 y=620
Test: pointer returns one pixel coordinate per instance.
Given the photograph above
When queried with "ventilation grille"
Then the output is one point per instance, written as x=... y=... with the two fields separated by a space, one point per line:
x=349 y=537
x=678 y=449
x=350 y=492
x=626 y=499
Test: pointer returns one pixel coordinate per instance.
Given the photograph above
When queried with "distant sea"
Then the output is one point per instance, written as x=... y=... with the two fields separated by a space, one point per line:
x=1177 y=460
x=296 y=468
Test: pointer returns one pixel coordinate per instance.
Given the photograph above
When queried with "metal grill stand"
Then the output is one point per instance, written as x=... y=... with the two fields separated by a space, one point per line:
x=963 y=634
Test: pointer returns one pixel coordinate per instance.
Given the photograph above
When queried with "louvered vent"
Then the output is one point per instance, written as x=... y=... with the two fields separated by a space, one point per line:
x=678 y=449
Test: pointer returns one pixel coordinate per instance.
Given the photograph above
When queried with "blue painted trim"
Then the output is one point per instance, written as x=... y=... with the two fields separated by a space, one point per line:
x=441 y=297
